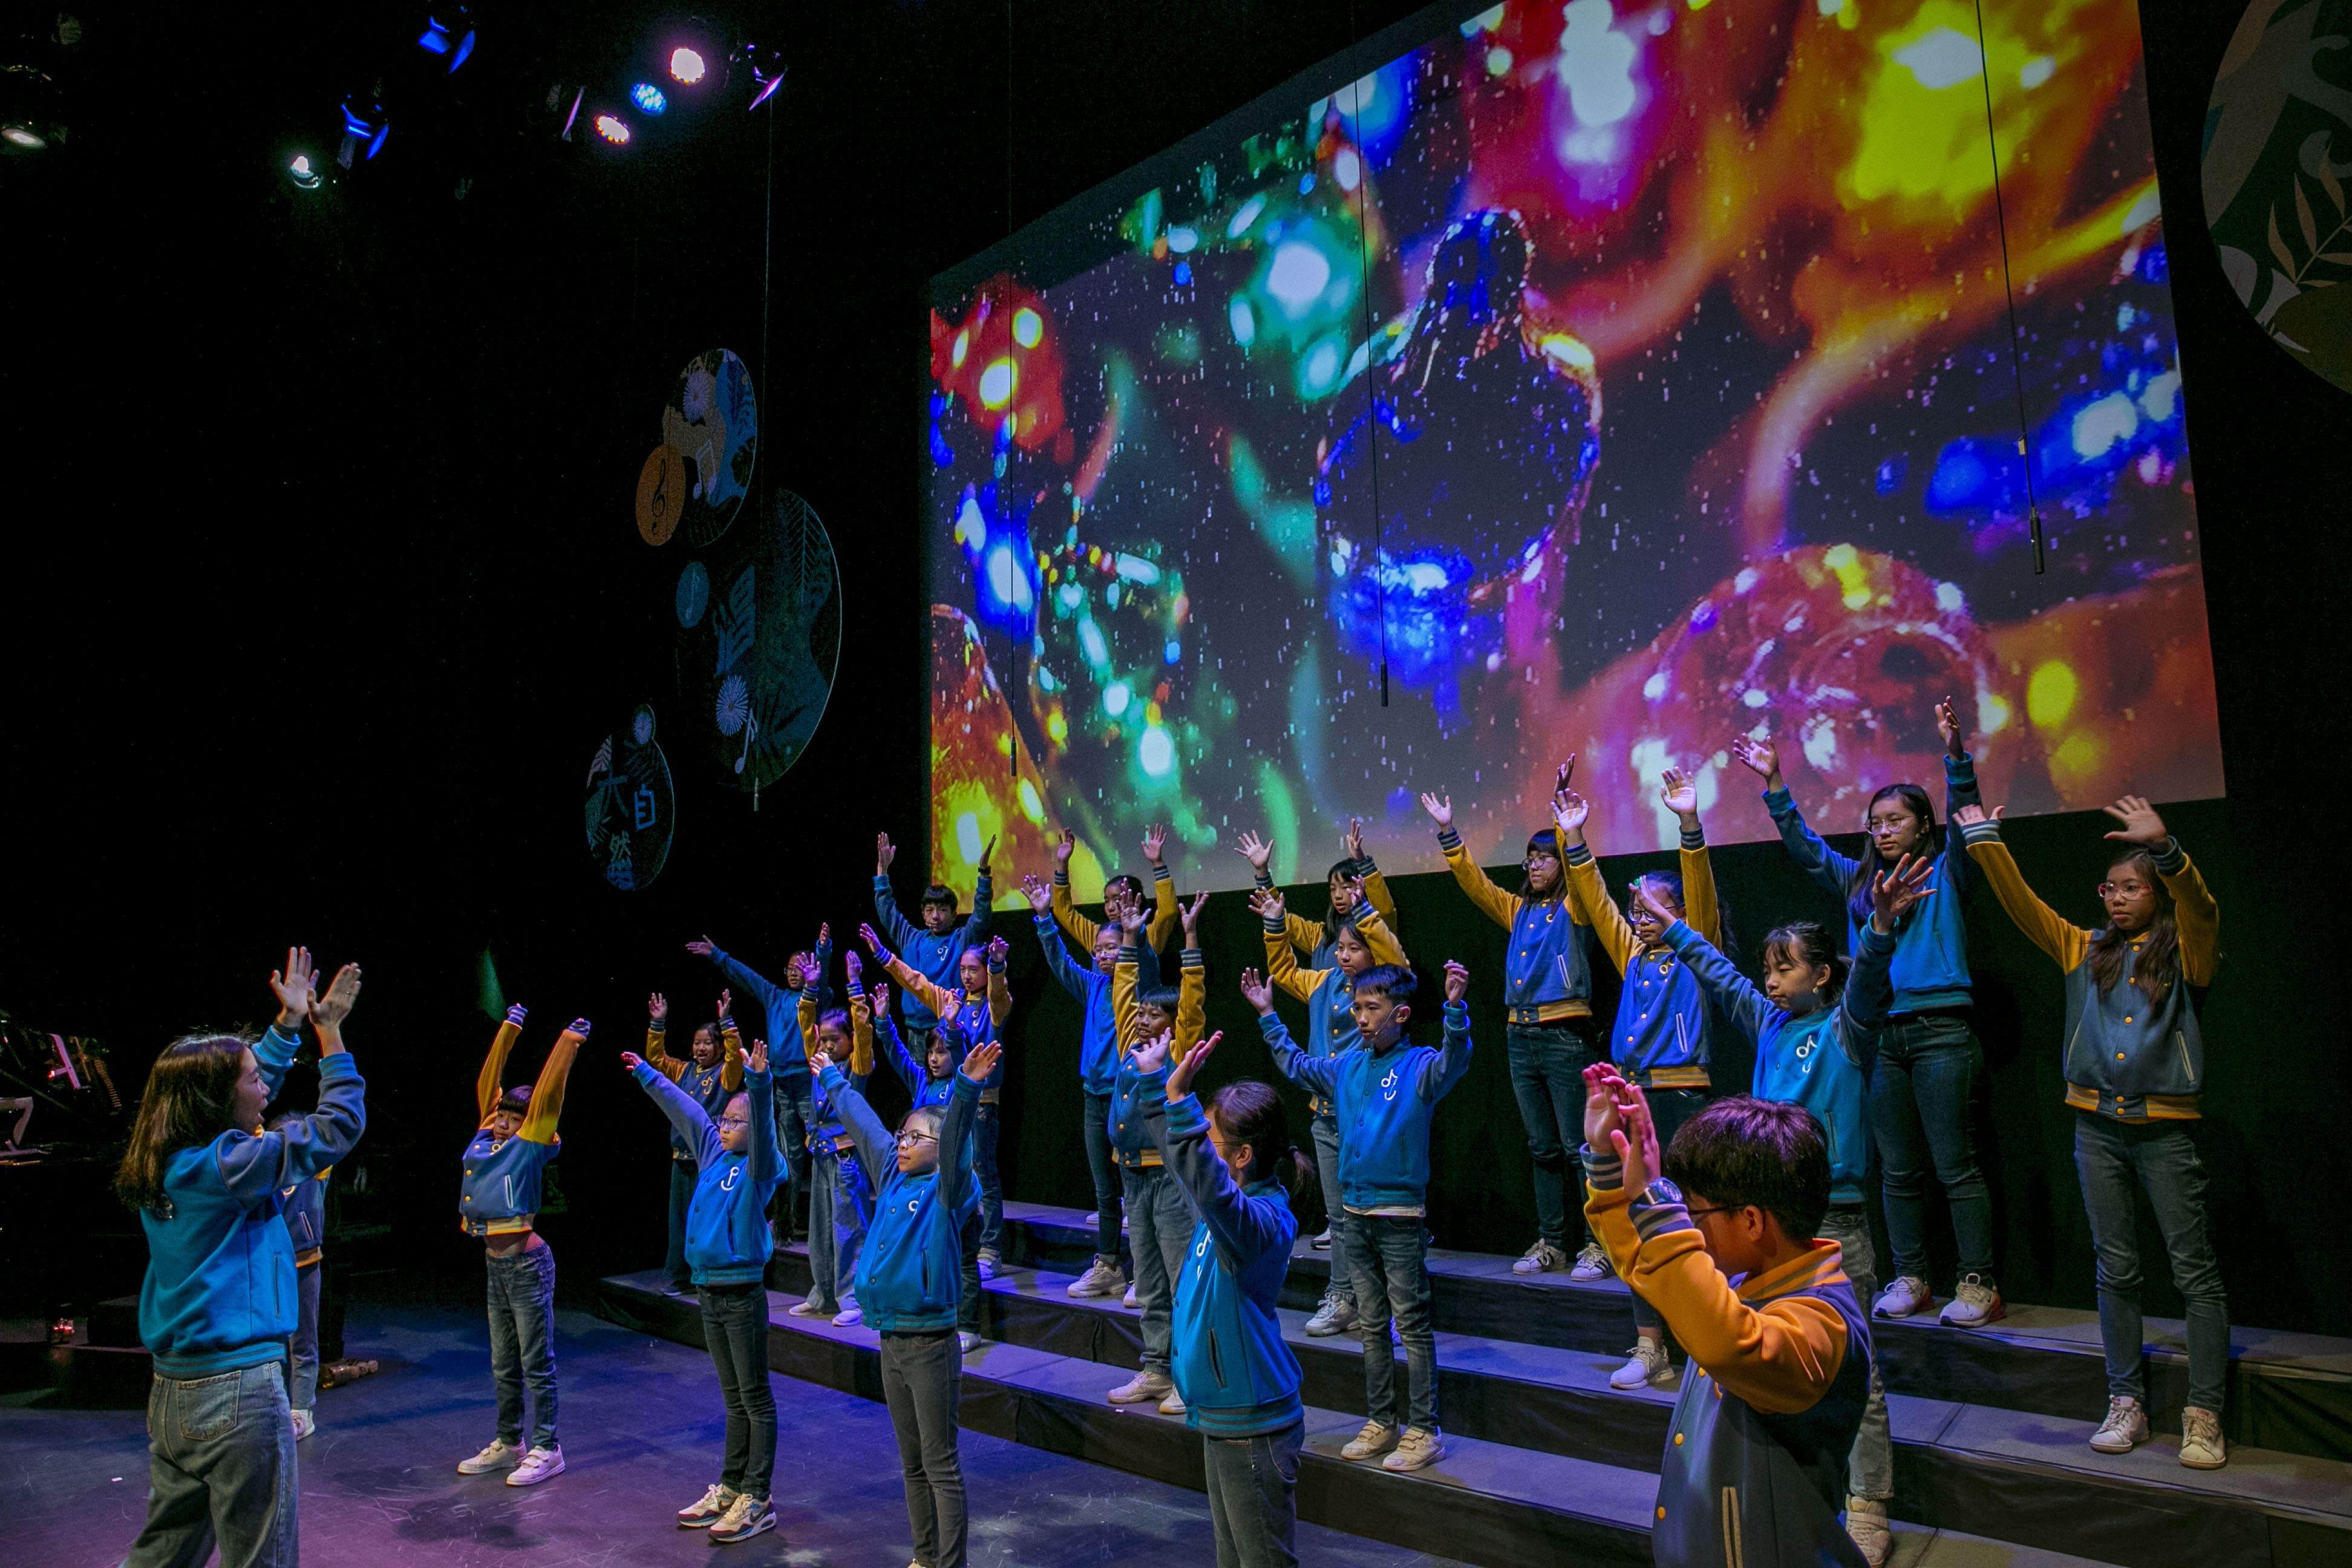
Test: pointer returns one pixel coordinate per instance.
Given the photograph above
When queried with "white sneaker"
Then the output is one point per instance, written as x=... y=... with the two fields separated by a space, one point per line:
x=1101 y=1278
x=1974 y=1304
x=1591 y=1264
x=1323 y=1242
x=2201 y=1447
x=1543 y=1257
x=805 y=1308
x=850 y=1315
x=499 y=1455
x=539 y=1465
x=2125 y=1429
x=1865 y=1524
x=1337 y=1315
x=1418 y=1448
x=749 y=1517
x=1144 y=1386
x=1905 y=1298
x=1372 y=1441
x=1645 y=1366
x=966 y=1342
x=1129 y=1300
x=989 y=1263
x=305 y=1423
x=1174 y=1404
x=714 y=1504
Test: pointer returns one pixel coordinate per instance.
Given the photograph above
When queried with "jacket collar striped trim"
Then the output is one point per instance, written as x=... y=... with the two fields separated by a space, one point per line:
x=1824 y=1265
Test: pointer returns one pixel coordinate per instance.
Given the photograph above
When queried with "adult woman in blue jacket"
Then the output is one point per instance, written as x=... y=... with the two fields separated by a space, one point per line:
x=1923 y=1090
x=1239 y=1380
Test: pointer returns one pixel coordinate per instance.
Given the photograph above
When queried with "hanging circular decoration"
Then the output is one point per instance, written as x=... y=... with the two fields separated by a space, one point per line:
x=693 y=595
x=712 y=423
x=661 y=489
x=757 y=666
x=631 y=807
x=2273 y=182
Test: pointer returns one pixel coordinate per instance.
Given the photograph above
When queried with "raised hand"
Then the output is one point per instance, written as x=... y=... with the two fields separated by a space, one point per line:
x=1659 y=910
x=884 y=853
x=658 y=1007
x=1152 y=1053
x=1266 y=904
x=987 y=854
x=517 y=1013
x=981 y=1059
x=880 y=997
x=702 y=949
x=1894 y=891
x=1155 y=839
x=1568 y=811
x=1064 y=847
x=854 y=965
x=293 y=985
x=1457 y=980
x=1180 y=1078
x=873 y=941
x=1035 y=890
x=328 y=1011
x=997 y=948
x=1256 y=850
x=726 y=1004
x=1440 y=808
x=1358 y=900
x=1759 y=757
x=1130 y=919
x=1601 y=1123
x=1566 y=770
x=2141 y=826
x=1975 y=816
x=756 y=1058
x=1947 y=724
x=823 y=937
x=1635 y=1138
x=1190 y=915
x=1257 y=992
x=1679 y=790
x=817 y=1055
x=631 y=1061
x=1354 y=841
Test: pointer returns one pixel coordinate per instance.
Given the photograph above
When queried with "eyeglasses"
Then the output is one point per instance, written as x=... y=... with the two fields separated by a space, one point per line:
x=734 y=1122
x=1695 y=1213
x=2124 y=889
x=909 y=1140
x=1534 y=855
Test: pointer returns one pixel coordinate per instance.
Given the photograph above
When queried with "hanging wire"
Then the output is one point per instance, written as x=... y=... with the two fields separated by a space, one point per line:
x=767 y=301
x=1012 y=751
x=2016 y=361
x=1371 y=399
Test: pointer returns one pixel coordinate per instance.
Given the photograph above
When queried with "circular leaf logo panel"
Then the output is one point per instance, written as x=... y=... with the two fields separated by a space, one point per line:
x=712 y=423
x=631 y=808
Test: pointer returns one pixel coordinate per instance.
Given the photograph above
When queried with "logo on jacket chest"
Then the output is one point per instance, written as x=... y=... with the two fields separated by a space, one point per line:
x=728 y=1182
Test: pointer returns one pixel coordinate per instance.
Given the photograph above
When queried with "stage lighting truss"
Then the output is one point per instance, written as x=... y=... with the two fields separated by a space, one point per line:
x=449 y=33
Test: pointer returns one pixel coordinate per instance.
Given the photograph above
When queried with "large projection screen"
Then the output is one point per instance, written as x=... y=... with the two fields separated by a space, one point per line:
x=1587 y=378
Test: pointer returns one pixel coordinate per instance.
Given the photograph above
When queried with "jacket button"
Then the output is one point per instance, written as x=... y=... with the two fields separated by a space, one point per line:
x=2128 y=1020
x=1678 y=1439
x=2119 y=1056
x=1662 y=1510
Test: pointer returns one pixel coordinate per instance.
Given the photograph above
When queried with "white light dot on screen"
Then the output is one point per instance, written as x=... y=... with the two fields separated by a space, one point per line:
x=1245 y=322
x=996 y=383
x=1156 y=752
x=961 y=347
x=1347 y=168
x=1116 y=696
x=1297 y=277
x=2100 y=426
x=1028 y=327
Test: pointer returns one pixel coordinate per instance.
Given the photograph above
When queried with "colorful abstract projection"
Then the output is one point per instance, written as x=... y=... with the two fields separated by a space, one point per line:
x=1594 y=379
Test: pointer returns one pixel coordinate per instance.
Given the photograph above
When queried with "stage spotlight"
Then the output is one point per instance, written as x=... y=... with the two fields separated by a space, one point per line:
x=364 y=129
x=686 y=64
x=649 y=98
x=613 y=129
x=23 y=136
x=767 y=85
x=453 y=39
x=301 y=172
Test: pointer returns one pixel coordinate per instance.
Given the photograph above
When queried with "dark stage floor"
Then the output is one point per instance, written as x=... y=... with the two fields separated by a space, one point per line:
x=641 y=1435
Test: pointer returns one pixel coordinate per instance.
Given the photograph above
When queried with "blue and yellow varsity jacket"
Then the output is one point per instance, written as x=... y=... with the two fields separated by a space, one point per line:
x=1237 y=1374
x=219 y=1293
x=503 y=1176
x=710 y=1087
x=828 y=1132
x=1931 y=947
x=921 y=1086
x=933 y=957
x=1755 y=1470
x=1311 y=937
x=976 y=1019
x=1132 y=1143
x=910 y=1273
x=1820 y=1059
x=1545 y=977
x=1660 y=1035
x=727 y=1236
x=2128 y=1056
x=1158 y=928
x=1385 y=1101
x=1328 y=992
x=306 y=1201
x=1098 y=1038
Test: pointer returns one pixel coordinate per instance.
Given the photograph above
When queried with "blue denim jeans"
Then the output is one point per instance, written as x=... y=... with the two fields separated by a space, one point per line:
x=302 y=1350
x=1103 y=1166
x=923 y=1382
x=1253 y=1502
x=1159 y=1228
x=1392 y=1277
x=1922 y=1105
x=841 y=1207
x=522 y=1341
x=735 y=1328
x=1870 y=1464
x=796 y=1115
x=1325 y=1131
x=1547 y=1063
x=2114 y=1158
x=1669 y=1108
x=984 y=1128
x=220 y=1468
x=682 y=1175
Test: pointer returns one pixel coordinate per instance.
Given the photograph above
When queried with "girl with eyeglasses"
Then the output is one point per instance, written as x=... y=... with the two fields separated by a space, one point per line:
x=841 y=1196
x=2135 y=1065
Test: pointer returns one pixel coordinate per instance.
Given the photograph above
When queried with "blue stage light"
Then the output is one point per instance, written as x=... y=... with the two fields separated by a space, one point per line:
x=453 y=40
x=649 y=98
x=364 y=129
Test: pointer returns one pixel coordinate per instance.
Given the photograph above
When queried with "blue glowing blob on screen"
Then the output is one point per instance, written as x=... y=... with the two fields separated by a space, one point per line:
x=649 y=98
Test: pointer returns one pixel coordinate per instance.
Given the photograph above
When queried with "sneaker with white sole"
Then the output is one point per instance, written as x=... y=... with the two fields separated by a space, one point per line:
x=305 y=1423
x=989 y=1263
x=1174 y=1404
x=850 y=1315
x=712 y=1506
x=1420 y=1448
x=1129 y=1300
x=1645 y=1366
x=1371 y=1443
x=1907 y=1297
x=1543 y=1257
x=1591 y=1264
x=1145 y=1388
x=806 y=1307
x=1322 y=1243
x=2201 y=1447
x=966 y=1342
x=749 y=1517
x=1865 y=1524
x=2125 y=1429
x=499 y=1455
x=1101 y=1278
x=539 y=1465
x=1974 y=1304
x=1337 y=1315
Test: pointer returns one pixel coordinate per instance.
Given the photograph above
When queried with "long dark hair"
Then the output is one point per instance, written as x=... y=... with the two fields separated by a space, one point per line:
x=1251 y=1113
x=190 y=1100
x=1866 y=870
x=1332 y=919
x=2160 y=956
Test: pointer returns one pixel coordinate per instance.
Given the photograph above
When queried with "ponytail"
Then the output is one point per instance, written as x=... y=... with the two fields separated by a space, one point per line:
x=1251 y=1113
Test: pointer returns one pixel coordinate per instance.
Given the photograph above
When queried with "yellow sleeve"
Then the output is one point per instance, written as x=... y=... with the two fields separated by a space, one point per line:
x=1082 y=930
x=658 y=1055
x=861 y=1037
x=1192 y=1010
x=1500 y=907
x=1780 y=1357
x=2069 y=944
x=1589 y=903
x=491 y=1083
x=1700 y=911
x=1302 y=934
x=2198 y=919
x=807 y=1015
x=1164 y=913
x=547 y=1098
x=937 y=998
x=1377 y=936
x=1122 y=1003
x=730 y=1063
x=1282 y=966
x=1377 y=894
x=1000 y=1003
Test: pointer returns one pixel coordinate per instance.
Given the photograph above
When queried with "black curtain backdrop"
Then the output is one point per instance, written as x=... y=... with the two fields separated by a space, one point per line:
x=320 y=588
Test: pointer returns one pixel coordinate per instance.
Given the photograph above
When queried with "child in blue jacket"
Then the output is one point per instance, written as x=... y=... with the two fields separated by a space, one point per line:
x=788 y=1054
x=1385 y=1095
x=711 y=1074
x=909 y=1279
x=306 y=1228
x=1814 y=1042
x=935 y=951
x=1097 y=1065
x=1923 y=1090
x=841 y=1201
x=727 y=1245
x=929 y=1080
x=1239 y=1379
x=219 y=1300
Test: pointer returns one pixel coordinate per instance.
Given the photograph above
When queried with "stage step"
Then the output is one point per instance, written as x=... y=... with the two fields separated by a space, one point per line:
x=1502 y=1504
x=2289 y=1392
